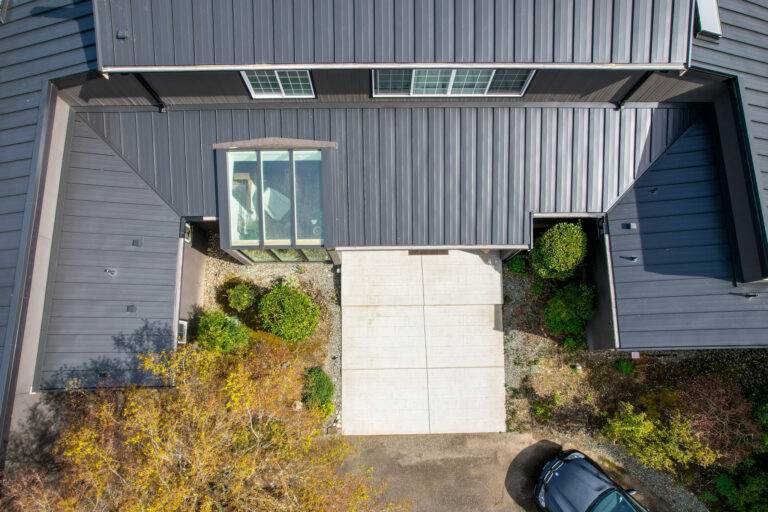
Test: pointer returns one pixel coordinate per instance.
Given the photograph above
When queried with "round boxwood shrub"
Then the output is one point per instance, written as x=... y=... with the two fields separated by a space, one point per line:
x=241 y=297
x=559 y=251
x=569 y=309
x=288 y=313
x=221 y=333
x=318 y=391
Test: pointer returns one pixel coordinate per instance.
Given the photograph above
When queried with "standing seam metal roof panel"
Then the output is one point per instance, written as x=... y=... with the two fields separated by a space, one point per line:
x=389 y=31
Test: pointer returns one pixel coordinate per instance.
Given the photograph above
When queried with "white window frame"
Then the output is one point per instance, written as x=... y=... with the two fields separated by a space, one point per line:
x=261 y=96
x=447 y=94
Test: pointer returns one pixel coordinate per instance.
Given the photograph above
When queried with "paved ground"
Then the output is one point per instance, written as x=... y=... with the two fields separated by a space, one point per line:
x=422 y=342
x=469 y=472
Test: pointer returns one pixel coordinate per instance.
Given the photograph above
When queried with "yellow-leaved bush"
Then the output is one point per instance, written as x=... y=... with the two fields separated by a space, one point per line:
x=222 y=434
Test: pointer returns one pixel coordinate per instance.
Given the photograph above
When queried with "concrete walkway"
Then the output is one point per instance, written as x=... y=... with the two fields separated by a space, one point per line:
x=422 y=342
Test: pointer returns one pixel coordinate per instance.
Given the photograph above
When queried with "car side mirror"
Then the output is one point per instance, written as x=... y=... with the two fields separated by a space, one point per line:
x=631 y=492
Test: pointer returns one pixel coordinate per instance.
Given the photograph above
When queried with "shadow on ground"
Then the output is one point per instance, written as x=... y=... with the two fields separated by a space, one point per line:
x=525 y=468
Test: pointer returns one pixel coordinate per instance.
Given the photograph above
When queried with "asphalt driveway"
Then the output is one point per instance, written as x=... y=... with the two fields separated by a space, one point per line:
x=468 y=472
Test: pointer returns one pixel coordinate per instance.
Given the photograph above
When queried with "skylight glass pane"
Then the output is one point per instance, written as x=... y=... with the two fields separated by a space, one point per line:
x=309 y=199
x=471 y=81
x=393 y=81
x=296 y=83
x=288 y=254
x=508 y=81
x=316 y=254
x=243 y=173
x=431 y=81
x=257 y=255
x=276 y=198
x=264 y=83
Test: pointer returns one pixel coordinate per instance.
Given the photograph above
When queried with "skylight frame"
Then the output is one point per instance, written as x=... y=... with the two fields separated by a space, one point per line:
x=261 y=96
x=448 y=94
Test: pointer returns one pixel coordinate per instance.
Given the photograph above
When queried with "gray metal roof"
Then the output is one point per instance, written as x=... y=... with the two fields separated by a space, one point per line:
x=415 y=176
x=95 y=323
x=743 y=52
x=40 y=41
x=229 y=32
x=674 y=273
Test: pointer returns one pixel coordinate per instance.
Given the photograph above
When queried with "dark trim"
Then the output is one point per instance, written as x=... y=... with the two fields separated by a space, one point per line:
x=222 y=209
x=415 y=102
x=636 y=87
x=158 y=101
x=277 y=143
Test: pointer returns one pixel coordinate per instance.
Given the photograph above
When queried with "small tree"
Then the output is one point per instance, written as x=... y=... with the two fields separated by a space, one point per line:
x=221 y=333
x=661 y=445
x=569 y=309
x=221 y=436
x=559 y=251
x=288 y=313
x=241 y=297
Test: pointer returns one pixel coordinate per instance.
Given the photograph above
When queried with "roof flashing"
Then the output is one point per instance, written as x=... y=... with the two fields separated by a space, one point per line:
x=708 y=20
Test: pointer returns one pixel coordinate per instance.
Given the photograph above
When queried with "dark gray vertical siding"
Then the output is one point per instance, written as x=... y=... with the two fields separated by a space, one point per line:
x=40 y=41
x=741 y=53
x=420 y=174
x=435 y=169
x=415 y=176
x=104 y=208
x=363 y=31
x=673 y=273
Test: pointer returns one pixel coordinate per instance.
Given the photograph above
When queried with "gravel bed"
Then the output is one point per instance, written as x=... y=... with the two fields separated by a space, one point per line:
x=318 y=280
x=532 y=356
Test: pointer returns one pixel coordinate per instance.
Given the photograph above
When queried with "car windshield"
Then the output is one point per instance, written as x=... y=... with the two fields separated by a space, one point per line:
x=614 y=501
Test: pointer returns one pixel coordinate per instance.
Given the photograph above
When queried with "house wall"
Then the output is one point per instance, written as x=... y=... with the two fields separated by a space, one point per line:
x=222 y=32
x=343 y=86
x=414 y=176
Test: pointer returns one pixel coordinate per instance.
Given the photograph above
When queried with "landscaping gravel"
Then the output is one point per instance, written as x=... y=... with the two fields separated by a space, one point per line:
x=536 y=366
x=319 y=280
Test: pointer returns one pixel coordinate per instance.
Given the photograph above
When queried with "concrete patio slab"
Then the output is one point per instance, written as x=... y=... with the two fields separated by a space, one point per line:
x=381 y=278
x=382 y=337
x=385 y=401
x=466 y=400
x=422 y=342
x=461 y=336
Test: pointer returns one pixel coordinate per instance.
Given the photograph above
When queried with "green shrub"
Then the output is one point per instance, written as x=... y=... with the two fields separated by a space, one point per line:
x=288 y=313
x=221 y=333
x=625 y=366
x=666 y=445
x=539 y=288
x=318 y=391
x=519 y=265
x=574 y=344
x=544 y=407
x=559 y=251
x=745 y=489
x=241 y=297
x=569 y=309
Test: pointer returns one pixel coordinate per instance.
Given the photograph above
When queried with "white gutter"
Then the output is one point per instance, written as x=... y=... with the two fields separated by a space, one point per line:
x=400 y=65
